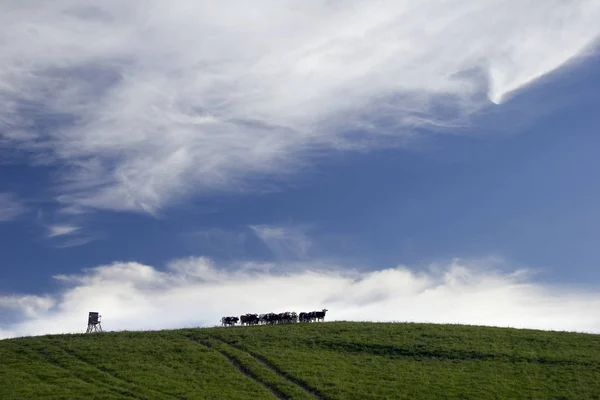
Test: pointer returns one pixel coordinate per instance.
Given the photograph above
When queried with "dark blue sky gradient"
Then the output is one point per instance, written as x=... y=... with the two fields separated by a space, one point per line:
x=522 y=183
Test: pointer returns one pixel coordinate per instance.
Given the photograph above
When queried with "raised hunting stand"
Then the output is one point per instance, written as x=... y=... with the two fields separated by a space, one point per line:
x=94 y=323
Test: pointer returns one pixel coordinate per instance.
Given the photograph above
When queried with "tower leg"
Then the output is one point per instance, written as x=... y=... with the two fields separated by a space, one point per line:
x=94 y=328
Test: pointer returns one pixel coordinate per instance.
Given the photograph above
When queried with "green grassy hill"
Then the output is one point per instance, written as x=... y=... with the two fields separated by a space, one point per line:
x=337 y=360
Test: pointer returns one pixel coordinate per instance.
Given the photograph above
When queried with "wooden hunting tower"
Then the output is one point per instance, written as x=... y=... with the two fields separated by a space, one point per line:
x=94 y=322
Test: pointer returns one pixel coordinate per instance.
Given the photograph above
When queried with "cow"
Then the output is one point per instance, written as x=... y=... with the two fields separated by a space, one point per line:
x=265 y=319
x=320 y=315
x=249 y=319
x=229 y=321
x=291 y=317
x=312 y=316
x=262 y=319
x=302 y=317
x=305 y=317
x=272 y=318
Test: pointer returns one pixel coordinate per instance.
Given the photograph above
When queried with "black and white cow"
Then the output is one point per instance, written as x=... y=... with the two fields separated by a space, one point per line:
x=304 y=317
x=312 y=316
x=320 y=315
x=249 y=319
x=229 y=321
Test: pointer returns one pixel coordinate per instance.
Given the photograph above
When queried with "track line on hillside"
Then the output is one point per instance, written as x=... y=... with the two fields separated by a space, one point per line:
x=245 y=371
x=114 y=376
x=92 y=382
x=263 y=361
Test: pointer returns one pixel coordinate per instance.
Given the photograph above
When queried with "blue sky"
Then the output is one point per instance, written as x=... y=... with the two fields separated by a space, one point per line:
x=356 y=167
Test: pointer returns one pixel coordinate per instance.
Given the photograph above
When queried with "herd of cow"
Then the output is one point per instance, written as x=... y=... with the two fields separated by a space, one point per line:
x=288 y=317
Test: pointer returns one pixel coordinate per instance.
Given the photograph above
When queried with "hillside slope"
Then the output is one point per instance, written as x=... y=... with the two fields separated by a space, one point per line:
x=338 y=360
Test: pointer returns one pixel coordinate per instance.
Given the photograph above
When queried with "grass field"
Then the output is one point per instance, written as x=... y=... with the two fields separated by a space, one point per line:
x=337 y=360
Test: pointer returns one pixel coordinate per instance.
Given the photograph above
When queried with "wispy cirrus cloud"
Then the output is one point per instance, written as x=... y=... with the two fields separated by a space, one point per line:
x=68 y=232
x=454 y=292
x=284 y=242
x=62 y=230
x=149 y=103
x=65 y=236
x=10 y=207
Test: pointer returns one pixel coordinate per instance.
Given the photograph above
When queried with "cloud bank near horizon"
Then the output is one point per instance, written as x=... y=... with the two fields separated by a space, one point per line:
x=196 y=292
x=145 y=104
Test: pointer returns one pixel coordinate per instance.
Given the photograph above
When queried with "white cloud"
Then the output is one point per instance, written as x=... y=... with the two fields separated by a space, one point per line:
x=151 y=102
x=10 y=207
x=28 y=306
x=195 y=292
x=66 y=233
x=284 y=242
x=62 y=230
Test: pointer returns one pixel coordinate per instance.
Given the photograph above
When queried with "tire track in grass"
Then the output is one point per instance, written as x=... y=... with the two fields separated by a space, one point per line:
x=264 y=362
x=90 y=381
x=242 y=369
x=153 y=393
